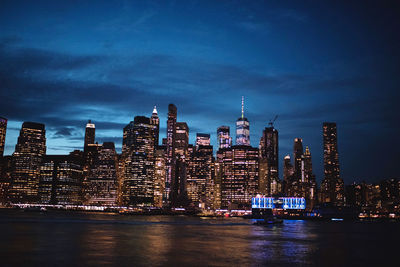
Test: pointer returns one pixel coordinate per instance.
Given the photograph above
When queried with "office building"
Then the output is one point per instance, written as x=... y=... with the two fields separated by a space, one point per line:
x=239 y=176
x=170 y=151
x=242 y=129
x=155 y=120
x=332 y=187
x=90 y=132
x=202 y=139
x=61 y=178
x=270 y=183
x=138 y=158
x=3 y=130
x=224 y=138
x=102 y=180
x=27 y=158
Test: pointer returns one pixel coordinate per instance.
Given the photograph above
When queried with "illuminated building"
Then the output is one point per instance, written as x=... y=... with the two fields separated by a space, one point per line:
x=29 y=151
x=178 y=195
x=332 y=187
x=309 y=177
x=155 y=121
x=286 y=203
x=297 y=158
x=268 y=160
x=200 y=176
x=5 y=177
x=3 y=130
x=102 y=180
x=239 y=175
x=61 y=180
x=159 y=176
x=287 y=169
x=181 y=139
x=202 y=139
x=224 y=139
x=242 y=129
x=138 y=158
x=90 y=132
x=170 y=148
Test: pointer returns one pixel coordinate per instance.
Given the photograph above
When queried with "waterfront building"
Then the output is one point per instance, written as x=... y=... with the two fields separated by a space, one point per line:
x=138 y=158
x=29 y=151
x=3 y=130
x=201 y=181
x=179 y=197
x=170 y=151
x=61 y=178
x=102 y=180
x=239 y=175
x=5 y=177
x=159 y=175
x=242 y=129
x=270 y=183
x=332 y=187
x=224 y=139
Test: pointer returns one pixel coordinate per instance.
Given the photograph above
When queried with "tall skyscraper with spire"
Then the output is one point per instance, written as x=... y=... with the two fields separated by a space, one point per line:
x=155 y=120
x=242 y=129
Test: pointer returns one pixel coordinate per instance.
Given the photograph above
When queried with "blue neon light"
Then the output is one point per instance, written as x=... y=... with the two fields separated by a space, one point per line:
x=297 y=203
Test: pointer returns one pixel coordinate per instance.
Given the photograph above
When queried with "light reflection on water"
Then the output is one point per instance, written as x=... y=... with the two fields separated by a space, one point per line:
x=105 y=239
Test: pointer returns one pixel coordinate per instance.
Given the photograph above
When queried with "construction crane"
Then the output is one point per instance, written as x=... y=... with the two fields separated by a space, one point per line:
x=271 y=122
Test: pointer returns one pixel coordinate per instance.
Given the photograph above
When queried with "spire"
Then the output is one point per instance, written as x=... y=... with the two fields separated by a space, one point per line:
x=155 y=110
x=307 y=151
x=242 y=107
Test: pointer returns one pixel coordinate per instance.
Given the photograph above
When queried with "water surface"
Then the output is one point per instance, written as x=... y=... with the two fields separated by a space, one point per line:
x=77 y=239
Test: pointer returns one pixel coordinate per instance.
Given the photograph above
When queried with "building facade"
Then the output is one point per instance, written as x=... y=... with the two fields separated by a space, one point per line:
x=26 y=161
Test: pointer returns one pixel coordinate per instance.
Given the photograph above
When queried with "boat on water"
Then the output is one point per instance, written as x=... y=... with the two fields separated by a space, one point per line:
x=268 y=221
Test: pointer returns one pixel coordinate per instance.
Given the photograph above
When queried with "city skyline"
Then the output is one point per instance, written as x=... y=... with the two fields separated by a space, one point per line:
x=129 y=57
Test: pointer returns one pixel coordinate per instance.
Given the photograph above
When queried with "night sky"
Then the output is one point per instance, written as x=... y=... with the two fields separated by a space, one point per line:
x=305 y=61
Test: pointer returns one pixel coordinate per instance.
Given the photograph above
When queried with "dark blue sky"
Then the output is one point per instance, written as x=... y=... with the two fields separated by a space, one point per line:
x=307 y=61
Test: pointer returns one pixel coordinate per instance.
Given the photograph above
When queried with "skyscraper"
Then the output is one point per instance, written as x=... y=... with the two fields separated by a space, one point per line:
x=138 y=158
x=102 y=178
x=89 y=134
x=181 y=139
x=297 y=158
x=159 y=176
x=239 y=175
x=61 y=179
x=170 y=148
x=155 y=121
x=224 y=139
x=269 y=169
x=3 y=130
x=201 y=184
x=332 y=187
x=178 y=194
x=202 y=139
x=242 y=129
x=29 y=151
